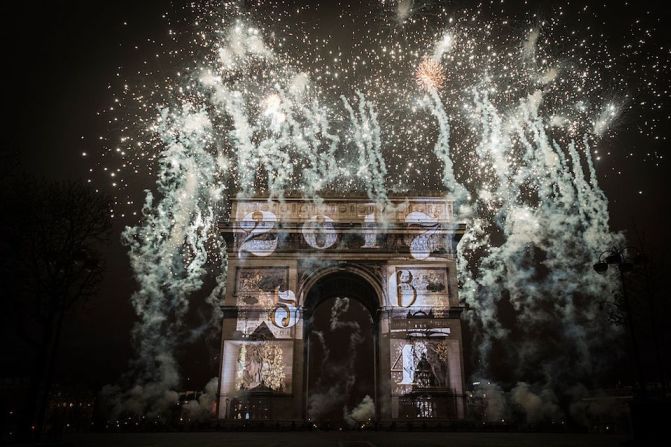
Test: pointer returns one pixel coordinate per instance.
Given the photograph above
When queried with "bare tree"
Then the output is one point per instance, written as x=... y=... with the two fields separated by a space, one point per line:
x=51 y=232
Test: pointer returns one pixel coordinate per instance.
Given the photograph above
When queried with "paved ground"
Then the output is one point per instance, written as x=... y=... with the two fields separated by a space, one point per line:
x=347 y=439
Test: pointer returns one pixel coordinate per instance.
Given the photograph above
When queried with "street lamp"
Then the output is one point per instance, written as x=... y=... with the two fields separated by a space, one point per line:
x=618 y=257
x=649 y=417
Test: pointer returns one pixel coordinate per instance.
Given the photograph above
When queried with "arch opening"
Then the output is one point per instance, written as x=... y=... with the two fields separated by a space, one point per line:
x=340 y=310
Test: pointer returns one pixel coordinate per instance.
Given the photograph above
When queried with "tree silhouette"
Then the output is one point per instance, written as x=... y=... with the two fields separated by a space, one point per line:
x=51 y=232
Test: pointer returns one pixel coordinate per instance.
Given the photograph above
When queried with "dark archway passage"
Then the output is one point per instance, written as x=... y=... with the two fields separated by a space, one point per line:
x=340 y=350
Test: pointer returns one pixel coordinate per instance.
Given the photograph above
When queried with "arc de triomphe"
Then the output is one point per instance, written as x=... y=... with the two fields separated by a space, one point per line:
x=399 y=262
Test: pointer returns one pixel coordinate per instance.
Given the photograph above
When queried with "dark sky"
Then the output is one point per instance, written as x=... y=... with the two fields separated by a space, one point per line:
x=59 y=58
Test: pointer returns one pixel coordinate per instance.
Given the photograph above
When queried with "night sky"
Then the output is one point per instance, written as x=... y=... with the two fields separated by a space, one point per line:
x=60 y=57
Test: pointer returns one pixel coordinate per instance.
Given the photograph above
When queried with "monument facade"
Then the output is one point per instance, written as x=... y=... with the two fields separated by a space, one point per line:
x=287 y=257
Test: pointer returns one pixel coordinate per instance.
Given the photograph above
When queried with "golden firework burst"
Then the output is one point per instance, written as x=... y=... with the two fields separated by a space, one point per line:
x=429 y=74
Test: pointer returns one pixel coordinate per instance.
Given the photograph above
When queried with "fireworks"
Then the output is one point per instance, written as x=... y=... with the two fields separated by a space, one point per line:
x=273 y=63
x=261 y=103
x=429 y=74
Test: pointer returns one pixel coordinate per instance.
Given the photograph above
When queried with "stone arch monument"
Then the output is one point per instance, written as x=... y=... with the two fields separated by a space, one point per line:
x=399 y=261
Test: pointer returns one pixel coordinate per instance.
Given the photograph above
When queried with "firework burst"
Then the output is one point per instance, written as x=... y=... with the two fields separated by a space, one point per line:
x=429 y=74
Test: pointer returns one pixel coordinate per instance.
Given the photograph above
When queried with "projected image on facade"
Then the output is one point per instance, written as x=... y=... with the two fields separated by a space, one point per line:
x=262 y=366
x=266 y=308
x=256 y=286
x=284 y=359
x=420 y=287
x=419 y=365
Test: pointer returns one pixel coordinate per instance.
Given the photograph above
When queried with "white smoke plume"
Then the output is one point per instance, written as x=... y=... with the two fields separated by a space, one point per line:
x=606 y=119
x=363 y=412
x=244 y=45
x=552 y=219
x=495 y=401
x=202 y=408
x=444 y=45
x=167 y=253
x=442 y=150
x=367 y=139
x=404 y=10
x=325 y=396
x=536 y=407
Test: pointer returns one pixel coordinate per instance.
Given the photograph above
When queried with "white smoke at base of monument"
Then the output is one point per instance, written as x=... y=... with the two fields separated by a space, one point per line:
x=534 y=403
x=495 y=401
x=202 y=408
x=537 y=407
x=362 y=413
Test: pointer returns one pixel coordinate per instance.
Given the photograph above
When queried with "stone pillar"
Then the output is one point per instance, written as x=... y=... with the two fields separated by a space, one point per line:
x=384 y=401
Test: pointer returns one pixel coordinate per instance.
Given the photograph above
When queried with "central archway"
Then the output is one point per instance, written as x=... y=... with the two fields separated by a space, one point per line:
x=340 y=311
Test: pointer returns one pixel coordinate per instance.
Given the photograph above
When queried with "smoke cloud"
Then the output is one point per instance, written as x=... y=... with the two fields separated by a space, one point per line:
x=363 y=412
x=202 y=409
x=536 y=407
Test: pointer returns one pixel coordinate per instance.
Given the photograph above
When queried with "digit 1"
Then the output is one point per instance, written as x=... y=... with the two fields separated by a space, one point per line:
x=369 y=232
